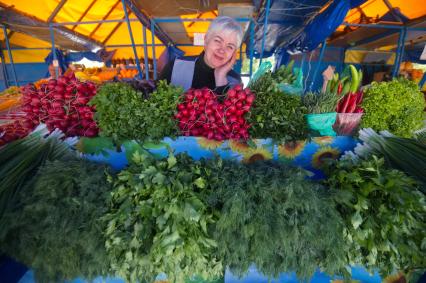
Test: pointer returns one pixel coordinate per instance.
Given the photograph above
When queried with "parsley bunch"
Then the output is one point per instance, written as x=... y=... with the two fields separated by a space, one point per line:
x=125 y=114
x=384 y=214
x=158 y=221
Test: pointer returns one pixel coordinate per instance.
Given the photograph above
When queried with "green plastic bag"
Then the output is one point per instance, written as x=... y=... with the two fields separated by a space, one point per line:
x=321 y=124
x=296 y=88
x=263 y=68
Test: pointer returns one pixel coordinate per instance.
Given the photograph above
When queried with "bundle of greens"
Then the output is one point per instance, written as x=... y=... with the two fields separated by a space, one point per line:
x=277 y=115
x=158 y=221
x=405 y=154
x=271 y=216
x=318 y=103
x=396 y=106
x=21 y=159
x=124 y=114
x=55 y=229
x=384 y=213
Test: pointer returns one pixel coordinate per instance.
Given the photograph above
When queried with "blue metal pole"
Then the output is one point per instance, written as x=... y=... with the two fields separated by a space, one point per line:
x=400 y=52
x=145 y=51
x=324 y=45
x=251 y=47
x=4 y=69
x=129 y=27
x=55 y=58
x=422 y=81
x=154 y=60
x=10 y=56
x=265 y=28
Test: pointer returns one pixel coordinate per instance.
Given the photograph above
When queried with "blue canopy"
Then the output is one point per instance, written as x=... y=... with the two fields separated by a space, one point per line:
x=298 y=26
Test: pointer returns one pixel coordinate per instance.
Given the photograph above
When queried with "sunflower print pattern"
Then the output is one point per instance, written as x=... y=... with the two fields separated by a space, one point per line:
x=323 y=154
x=208 y=144
x=257 y=154
x=291 y=150
x=323 y=140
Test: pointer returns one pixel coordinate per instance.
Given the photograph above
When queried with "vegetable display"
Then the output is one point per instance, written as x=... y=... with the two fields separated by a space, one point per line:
x=384 y=214
x=276 y=114
x=125 y=114
x=396 y=106
x=61 y=104
x=55 y=228
x=158 y=221
x=201 y=114
x=271 y=216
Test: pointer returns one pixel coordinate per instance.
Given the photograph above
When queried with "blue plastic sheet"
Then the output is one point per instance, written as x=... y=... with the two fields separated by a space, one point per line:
x=296 y=26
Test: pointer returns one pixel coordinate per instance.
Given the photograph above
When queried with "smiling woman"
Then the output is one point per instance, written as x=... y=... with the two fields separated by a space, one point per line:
x=213 y=67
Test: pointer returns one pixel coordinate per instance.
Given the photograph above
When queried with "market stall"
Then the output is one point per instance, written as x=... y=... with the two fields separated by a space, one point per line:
x=109 y=174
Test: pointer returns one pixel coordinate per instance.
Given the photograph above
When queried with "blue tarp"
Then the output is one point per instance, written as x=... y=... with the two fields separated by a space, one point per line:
x=296 y=26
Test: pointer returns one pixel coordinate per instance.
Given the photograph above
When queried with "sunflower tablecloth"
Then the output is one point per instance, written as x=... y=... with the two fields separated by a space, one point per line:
x=308 y=154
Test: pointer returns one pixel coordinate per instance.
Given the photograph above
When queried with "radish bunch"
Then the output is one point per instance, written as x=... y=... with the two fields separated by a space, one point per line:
x=201 y=114
x=61 y=104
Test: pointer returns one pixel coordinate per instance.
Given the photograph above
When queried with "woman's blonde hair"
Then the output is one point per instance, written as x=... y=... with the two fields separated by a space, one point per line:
x=225 y=24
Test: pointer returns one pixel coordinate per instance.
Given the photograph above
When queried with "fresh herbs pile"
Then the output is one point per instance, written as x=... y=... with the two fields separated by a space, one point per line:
x=124 y=113
x=405 y=154
x=21 y=159
x=318 y=103
x=276 y=114
x=384 y=214
x=396 y=106
x=158 y=221
x=55 y=229
x=271 y=216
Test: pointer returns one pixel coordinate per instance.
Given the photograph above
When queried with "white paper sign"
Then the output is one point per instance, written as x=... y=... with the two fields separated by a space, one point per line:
x=55 y=63
x=199 y=39
x=423 y=56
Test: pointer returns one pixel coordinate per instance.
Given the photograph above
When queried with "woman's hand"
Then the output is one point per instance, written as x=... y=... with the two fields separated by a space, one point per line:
x=221 y=72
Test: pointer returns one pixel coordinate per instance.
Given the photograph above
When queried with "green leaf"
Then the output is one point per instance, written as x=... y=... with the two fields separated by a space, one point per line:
x=200 y=183
x=356 y=220
x=171 y=160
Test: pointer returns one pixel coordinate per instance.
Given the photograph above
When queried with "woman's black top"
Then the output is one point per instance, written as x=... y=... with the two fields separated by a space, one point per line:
x=203 y=75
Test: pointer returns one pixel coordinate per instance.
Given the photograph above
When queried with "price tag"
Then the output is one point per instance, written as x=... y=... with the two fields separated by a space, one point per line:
x=199 y=39
x=55 y=63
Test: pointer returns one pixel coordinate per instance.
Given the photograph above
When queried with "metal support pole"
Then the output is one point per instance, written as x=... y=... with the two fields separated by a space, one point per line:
x=129 y=27
x=154 y=60
x=422 y=81
x=55 y=58
x=145 y=51
x=399 y=52
x=10 y=55
x=324 y=45
x=251 y=47
x=265 y=28
x=4 y=69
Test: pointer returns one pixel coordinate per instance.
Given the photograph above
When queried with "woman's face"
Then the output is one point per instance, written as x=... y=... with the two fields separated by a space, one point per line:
x=219 y=49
